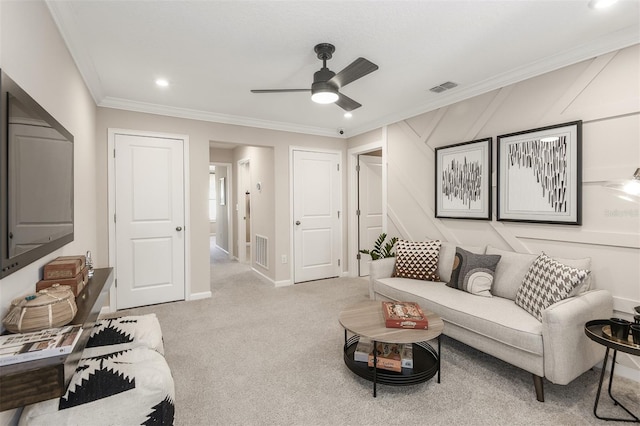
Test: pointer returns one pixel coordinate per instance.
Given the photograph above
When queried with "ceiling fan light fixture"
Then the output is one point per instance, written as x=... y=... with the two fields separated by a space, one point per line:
x=323 y=93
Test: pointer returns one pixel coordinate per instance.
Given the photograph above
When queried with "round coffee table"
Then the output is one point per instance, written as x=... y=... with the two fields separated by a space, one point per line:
x=365 y=319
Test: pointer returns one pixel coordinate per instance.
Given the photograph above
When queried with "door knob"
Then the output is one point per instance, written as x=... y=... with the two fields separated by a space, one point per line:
x=179 y=228
x=297 y=222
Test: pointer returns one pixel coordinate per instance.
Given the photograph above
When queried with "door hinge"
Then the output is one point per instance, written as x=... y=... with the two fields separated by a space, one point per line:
x=115 y=283
x=114 y=153
x=338 y=262
x=358 y=168
x=358 y=212
x=338 y=166
x=358 y=256
x=114 y=218
x=338 y=214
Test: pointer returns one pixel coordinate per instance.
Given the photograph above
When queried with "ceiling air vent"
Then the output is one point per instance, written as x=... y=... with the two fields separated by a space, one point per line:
x=444 y=86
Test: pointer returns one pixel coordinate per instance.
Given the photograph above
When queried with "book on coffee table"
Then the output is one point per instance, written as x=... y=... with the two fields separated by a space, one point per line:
x=404 y=315
x=387 y=356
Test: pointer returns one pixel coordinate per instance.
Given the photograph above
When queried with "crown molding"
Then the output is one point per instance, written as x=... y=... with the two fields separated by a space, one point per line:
x=63 y=16
x=614 y=41
x=129 y=105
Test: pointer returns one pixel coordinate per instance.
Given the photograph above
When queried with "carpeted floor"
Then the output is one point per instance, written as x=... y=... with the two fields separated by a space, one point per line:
x=253 y=354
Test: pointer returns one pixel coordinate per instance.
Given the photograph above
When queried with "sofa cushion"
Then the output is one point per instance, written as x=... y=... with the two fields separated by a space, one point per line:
x=418 y=260
x=495 y=318
x=472 y=272
x=446 y=256
x=547 y=282
x=510 y=271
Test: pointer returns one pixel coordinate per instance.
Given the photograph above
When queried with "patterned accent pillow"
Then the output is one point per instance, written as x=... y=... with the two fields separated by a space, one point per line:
x=472 y=272
x=417 y=260
x=547 y=282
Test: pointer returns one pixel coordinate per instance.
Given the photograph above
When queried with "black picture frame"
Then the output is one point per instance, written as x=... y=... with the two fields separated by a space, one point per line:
x=539 y=175
x=463 y=187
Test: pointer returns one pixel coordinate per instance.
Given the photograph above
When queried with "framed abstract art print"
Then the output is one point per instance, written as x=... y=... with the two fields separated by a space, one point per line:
x=539 y=175
x=463 y=180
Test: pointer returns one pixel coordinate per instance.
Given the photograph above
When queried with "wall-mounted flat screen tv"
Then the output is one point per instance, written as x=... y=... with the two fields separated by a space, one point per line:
x=36 y=171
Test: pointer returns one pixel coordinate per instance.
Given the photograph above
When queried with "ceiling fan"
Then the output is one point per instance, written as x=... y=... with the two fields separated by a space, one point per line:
x=326 y=83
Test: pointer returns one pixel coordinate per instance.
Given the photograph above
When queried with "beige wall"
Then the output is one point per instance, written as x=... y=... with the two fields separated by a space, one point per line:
x=200 y=134
x=34 y=55
x=605 y=94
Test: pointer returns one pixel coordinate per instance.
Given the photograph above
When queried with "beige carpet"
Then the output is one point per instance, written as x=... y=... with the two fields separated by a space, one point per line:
x=258 y=355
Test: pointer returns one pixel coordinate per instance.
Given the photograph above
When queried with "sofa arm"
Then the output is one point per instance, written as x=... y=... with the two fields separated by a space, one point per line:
x=381 y=268
x=568 y=352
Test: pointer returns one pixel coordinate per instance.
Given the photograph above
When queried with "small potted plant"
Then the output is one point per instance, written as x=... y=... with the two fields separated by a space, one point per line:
x=380 y=249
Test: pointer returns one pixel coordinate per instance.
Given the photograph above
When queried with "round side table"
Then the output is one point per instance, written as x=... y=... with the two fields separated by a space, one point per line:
x=595 y=331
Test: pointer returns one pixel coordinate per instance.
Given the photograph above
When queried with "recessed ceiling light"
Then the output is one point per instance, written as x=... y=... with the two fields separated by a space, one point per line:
x=348 y=115
x=162 y=82
x=601 y=4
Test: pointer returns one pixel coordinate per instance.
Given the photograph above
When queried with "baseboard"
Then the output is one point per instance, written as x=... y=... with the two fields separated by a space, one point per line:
x=283 y=283
x=264 y=276
x=201 y=295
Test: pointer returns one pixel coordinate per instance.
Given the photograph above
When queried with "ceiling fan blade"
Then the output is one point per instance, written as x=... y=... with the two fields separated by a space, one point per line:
x=357 y=69
x=346 y=103
x=280 y=90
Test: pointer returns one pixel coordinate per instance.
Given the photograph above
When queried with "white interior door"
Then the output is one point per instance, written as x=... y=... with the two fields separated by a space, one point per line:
x=369 y=206
x=149 y=221
x=316 y=215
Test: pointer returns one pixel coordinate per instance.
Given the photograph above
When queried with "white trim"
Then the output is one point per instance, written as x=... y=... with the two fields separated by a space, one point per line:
x=352 y=190
x=200 y=295
x=622 y=304
x=283 y=283
x=192 y=114
x=264 y=276
x=339 y=153
x=111 y=135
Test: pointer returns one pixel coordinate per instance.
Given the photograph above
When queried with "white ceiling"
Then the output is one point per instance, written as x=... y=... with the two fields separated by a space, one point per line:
x=214 y=52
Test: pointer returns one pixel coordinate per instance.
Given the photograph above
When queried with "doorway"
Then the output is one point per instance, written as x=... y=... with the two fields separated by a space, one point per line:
x=375 y=202
x=148 y=232
x=369 y=211
x=317 y=209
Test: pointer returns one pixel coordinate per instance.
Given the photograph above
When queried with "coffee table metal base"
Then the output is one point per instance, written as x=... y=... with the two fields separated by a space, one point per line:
x=426 y=364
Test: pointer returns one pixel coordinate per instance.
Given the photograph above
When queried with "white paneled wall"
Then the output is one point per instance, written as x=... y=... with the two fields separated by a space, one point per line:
x=605 y=94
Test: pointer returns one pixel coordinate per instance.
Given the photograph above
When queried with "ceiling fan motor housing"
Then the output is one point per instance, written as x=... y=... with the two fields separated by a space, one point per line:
x=321 y=81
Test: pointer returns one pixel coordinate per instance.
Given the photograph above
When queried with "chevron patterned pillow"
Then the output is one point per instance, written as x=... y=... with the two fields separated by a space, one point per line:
x=417 y=260
x=547 y=282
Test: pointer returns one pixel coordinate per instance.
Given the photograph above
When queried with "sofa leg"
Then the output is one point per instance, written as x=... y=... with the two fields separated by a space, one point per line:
x=537 y=383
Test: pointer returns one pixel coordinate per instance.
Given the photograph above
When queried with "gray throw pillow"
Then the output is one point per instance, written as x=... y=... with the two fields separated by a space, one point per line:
x=547 y=282
x=473 y=273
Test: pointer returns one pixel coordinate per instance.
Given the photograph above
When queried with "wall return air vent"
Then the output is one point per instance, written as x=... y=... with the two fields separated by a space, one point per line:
x=444 y=86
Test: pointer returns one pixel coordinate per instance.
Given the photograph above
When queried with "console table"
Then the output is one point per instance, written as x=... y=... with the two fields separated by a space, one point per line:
x=34 y=381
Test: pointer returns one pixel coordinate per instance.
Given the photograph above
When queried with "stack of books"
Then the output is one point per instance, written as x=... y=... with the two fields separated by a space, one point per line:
x=389 y=356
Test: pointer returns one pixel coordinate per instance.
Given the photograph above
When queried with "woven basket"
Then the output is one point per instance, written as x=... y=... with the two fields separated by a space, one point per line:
x=52 y=307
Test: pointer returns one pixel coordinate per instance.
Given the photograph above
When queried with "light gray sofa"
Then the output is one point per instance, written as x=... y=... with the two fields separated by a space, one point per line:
x=556 y=348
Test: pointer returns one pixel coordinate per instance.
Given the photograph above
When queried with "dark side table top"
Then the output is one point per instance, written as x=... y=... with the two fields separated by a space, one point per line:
x=594 y=331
